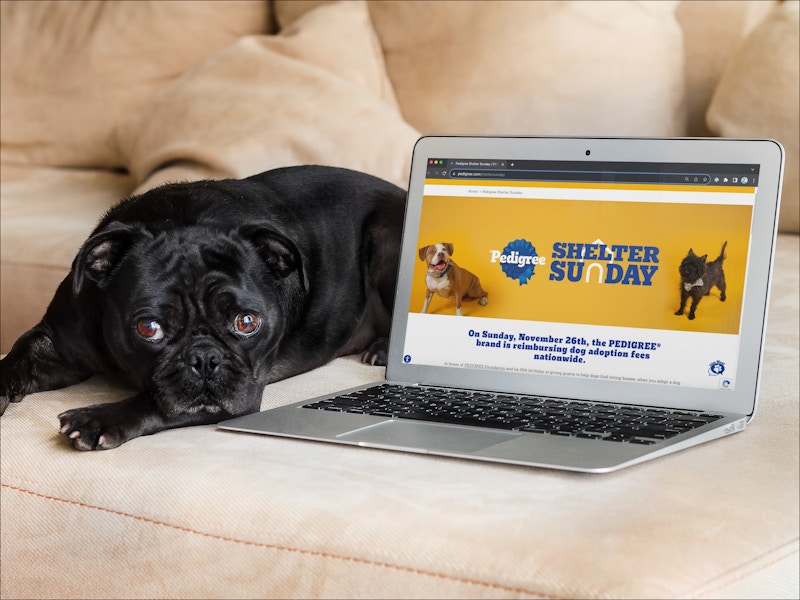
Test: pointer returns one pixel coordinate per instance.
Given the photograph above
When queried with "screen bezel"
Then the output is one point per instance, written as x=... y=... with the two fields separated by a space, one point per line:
x=768 y=154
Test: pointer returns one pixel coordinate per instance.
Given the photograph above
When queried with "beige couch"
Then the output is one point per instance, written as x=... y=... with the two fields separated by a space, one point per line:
x=103 y=99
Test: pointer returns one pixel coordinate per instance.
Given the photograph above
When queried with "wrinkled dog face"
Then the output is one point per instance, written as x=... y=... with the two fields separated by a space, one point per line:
x=193 y=316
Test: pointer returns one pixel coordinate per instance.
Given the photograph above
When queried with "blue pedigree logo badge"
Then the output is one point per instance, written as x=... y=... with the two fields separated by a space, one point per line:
x=518 y=260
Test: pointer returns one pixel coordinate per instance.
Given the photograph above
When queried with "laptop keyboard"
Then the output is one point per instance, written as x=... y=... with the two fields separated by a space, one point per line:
x=554 y=416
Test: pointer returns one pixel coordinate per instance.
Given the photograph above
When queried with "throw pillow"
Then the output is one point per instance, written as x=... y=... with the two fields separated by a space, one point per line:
x=316 y=93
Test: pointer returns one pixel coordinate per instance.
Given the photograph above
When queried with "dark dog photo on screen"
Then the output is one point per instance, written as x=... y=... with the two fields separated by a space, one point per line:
x=698 y=277
x=198 y=295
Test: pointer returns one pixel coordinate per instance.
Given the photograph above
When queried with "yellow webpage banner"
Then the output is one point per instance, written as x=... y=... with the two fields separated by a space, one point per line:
x=590 y=262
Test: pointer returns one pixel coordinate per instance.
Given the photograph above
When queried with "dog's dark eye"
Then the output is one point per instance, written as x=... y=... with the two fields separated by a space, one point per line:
x=150 y=329
x=246 y=324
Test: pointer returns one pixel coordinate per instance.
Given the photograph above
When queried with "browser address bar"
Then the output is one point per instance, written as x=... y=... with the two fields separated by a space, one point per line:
x=589 y=176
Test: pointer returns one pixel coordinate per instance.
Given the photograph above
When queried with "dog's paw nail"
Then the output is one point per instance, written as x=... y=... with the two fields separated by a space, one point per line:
x=64 y=428
x=74 y=435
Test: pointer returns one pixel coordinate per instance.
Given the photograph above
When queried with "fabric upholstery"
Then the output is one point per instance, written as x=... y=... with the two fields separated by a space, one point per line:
x=93 y=62
x=712 y=31
x=100 y=100
x=261 y=107
x=64 y=203
x=758 y=96
x=570 y=67
x=470 y=68
x=200 y=512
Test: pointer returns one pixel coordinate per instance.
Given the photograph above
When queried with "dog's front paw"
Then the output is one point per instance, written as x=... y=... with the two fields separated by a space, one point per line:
x=14 y=382
x=378 y=353
x=34 y=365
x=92 y=428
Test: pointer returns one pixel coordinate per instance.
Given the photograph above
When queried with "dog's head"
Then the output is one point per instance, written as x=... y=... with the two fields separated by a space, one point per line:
x=692 y=267
x=436 y=256
x=192 y=314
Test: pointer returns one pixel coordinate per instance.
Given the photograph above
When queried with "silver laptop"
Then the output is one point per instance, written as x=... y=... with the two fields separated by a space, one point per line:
x=579 y=304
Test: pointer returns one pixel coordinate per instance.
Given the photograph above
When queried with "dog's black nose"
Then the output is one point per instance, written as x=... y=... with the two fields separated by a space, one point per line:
x=204 y=360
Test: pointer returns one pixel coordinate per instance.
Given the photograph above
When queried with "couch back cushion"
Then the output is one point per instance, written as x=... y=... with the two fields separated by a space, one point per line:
x=758 y=96
x=71 y=70
x=531 y=68
x=712 y=30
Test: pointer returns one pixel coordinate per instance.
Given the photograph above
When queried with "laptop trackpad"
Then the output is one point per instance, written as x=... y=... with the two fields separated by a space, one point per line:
x=416 y=435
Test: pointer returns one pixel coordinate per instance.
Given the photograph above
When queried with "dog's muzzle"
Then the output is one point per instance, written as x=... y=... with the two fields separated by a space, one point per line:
x=199 y=381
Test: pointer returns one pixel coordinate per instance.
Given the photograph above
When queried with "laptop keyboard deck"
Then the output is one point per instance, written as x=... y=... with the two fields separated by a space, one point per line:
x=554 y=416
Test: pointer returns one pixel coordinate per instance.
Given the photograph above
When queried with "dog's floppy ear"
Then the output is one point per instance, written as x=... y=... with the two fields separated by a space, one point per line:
x=102 y=253
x=449 y=247
x=279 y=252
x=423 y=252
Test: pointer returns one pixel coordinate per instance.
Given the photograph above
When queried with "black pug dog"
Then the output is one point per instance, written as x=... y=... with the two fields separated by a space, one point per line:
x=200 y=294
x=698 y=277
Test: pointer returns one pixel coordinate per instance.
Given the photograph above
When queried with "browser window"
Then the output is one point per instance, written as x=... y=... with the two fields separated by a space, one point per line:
x=607 y=271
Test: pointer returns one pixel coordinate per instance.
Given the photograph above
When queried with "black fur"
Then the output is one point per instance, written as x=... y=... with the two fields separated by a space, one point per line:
x=199 y=294
x=698 y=277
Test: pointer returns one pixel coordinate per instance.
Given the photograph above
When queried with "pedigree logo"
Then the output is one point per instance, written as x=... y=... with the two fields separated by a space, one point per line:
x=518 y=260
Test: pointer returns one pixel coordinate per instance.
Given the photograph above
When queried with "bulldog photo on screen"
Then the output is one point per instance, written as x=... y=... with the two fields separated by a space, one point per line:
x=200 y=294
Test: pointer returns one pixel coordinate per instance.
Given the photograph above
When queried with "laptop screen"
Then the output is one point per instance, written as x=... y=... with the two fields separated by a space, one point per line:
x=603 y=271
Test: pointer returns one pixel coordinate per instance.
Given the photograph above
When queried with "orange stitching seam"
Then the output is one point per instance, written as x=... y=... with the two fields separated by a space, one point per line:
x=283 y=548
x=708 y=593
